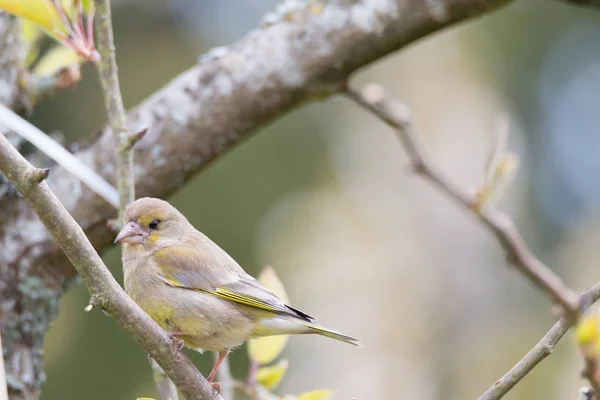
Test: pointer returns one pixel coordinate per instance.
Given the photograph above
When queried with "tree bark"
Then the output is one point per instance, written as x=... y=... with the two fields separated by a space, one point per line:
x=11 y=59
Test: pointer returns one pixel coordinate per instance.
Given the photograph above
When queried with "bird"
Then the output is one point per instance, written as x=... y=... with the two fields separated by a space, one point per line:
x=195 y=291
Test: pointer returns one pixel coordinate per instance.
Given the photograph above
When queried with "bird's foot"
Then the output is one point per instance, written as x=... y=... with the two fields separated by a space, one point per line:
x=216 y=386
x=179 y=343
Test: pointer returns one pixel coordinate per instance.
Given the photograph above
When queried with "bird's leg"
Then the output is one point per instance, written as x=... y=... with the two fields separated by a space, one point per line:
x=213 y=373
x=177 y=341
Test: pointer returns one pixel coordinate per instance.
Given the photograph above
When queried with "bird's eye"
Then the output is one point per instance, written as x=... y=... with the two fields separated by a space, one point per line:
x=154 y=224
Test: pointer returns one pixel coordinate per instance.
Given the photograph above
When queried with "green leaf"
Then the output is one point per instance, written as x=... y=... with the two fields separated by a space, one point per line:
x=88 y=6
x=270 y=377
x=319 y=394
x=266 y=349
x=587 y=335
x=31 y=33
x=55 y=59
x=41 y=12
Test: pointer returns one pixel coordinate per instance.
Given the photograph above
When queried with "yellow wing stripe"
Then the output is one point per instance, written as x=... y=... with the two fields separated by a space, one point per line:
x=242 y=299
x=229 y=295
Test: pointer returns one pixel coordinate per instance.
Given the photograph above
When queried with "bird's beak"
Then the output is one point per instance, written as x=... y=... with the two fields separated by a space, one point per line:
x=132 y=233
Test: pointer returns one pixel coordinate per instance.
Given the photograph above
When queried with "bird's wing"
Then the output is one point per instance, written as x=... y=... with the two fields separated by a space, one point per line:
x=250 y=292
x=187 y=268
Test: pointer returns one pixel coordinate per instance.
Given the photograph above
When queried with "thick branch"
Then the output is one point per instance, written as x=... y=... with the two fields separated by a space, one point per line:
x=101 y=284
x=374 y=99
x=233 y=91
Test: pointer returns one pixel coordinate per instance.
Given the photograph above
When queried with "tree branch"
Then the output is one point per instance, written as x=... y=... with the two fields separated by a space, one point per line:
x=539 y=352
x=124 y=142
x=220 y=102
x=117 y=118
x=374 y=99
x=101 y=284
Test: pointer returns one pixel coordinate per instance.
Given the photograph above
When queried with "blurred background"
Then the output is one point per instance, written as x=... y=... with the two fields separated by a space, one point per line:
x=323 y=196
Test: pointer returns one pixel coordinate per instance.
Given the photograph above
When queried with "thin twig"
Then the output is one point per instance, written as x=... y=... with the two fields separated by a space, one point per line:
x=225 y=378
x=98 y=279
x=539 y=352
x=375 y=99
x=58 y=153
x=124 y=142
x=107 y=69
x=3 y=388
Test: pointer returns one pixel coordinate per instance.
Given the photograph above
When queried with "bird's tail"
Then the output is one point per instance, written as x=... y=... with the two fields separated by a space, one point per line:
x=314 y=328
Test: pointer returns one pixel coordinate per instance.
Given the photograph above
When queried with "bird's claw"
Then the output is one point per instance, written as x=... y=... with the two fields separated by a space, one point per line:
x=216 y=386
x=179 y=343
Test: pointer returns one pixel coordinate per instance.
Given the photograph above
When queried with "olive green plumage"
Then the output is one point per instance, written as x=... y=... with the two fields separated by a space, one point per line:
x=194 y=289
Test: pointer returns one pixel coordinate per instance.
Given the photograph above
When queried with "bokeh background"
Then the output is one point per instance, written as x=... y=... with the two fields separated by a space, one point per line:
x=322 y=194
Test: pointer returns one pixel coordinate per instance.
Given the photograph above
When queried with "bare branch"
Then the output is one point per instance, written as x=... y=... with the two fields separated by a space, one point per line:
x=124 y=142
x=101 y=284
x=375 y=99
x=539 y=352
x=107 y=68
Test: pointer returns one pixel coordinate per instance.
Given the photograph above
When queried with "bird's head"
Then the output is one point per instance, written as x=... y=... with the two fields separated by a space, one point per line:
x=151 y=222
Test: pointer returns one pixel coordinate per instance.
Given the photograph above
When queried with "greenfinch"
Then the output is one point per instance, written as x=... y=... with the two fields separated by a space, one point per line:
x=194 y=290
